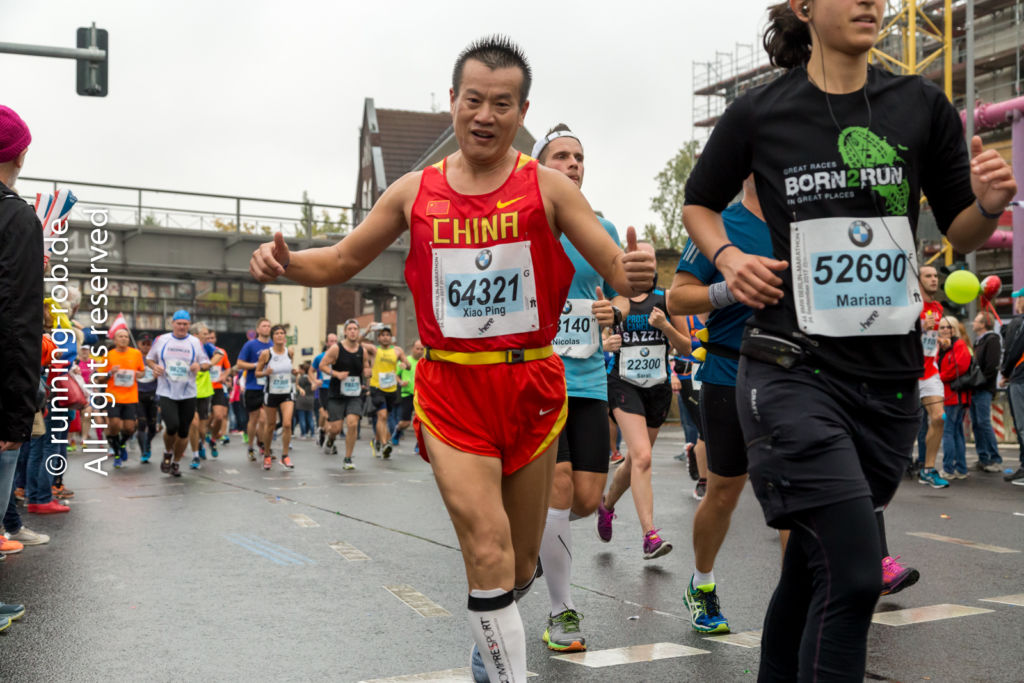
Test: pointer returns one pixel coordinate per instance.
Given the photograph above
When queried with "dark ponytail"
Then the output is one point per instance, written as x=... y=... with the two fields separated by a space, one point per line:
x=787 y=40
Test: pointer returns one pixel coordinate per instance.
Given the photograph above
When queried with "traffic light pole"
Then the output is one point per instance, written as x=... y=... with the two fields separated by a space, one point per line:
x=91 y=55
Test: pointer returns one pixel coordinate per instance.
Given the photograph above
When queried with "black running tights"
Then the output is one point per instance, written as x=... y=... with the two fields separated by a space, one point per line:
x=817 y=623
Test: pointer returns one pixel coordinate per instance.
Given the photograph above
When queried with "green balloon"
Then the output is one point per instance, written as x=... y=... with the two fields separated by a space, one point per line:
x=962 y=286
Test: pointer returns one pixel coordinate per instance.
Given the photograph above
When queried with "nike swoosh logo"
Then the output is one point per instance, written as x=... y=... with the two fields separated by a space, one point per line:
x=502 y=205
x=545 y=412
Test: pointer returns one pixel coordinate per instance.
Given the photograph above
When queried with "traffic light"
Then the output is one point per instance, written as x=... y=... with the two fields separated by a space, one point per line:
x=92 y=75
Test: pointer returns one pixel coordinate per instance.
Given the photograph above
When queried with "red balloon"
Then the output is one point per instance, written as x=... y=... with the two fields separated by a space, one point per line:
x=990 y=286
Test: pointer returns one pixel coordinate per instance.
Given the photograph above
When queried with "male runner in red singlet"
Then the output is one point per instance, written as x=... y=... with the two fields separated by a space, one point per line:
x=930 y=386
x=489 y=279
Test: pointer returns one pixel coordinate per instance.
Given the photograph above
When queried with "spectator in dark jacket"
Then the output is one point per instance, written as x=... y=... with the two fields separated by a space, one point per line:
x=21 y=326
x=1013 y=374
x=954 y=360
x=987 y=349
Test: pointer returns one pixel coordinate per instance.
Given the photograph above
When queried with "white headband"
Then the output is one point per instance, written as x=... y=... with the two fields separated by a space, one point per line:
x=539 y=146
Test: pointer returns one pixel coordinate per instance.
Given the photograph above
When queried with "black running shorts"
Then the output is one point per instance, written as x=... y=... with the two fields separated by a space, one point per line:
x=253 y=399
x=123 y=411
x=276 y=400
x=815 y=437
x=383 y=400
x=584 y=439
x=651 y=402
x=220 y=398
x=406 y=409
x=203 y=407
x=720 y=428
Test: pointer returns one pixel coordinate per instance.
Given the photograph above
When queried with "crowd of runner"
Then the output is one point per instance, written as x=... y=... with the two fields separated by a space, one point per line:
x=536 y=326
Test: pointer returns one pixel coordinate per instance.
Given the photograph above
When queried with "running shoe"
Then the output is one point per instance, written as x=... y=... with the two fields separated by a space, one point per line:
x=334 y=449
x=225 y=439
x=51 y=508
x=604 y=522
x=374 y=450
x=286 y=462
x=124 y=453
x=705 y=615
x=245 y=437
x=896 y=577
x=931 y=478
x=267 y=462
x=5 y=622
x=252 y=454
x=213 y=450
x=9 y=547
x=195 y=462
x=144 y=458
x=476 y=665
x=655 y=546
x=387 y=451
x=947 y=475
x=12 y=612
x=1014 y=477
x=348 y=464
x=617 y=458
x=26 y=536
x=62 y=492
x=320 y=435
x=700 y=489
x=202 y=451
x=175 y=470
x=165 y=464
x=72 y=447
x=563 y=632
x=19 y=494
x=117 y=462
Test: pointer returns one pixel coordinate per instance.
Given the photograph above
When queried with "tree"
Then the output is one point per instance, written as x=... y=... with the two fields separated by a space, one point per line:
x=325 y=226
x=668 y=203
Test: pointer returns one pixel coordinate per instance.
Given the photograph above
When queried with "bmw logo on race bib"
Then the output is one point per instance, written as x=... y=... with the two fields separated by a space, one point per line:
x=645 y=352
x=567 y=308
x=860 y=233
x=483 y=259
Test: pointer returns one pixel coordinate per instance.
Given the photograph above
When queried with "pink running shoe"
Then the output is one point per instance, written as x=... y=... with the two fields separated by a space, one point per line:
x=896 y=577
x=604 y=522
x=654 y=545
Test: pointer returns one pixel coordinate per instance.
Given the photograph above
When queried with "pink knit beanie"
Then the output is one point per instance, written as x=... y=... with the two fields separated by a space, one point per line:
x=14 y=135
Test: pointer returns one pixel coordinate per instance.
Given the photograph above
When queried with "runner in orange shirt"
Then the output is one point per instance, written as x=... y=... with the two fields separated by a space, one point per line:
x=125 y=368
x=219 y=371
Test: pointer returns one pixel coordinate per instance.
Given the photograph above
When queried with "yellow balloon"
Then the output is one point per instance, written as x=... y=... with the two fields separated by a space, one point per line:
x=962 y=286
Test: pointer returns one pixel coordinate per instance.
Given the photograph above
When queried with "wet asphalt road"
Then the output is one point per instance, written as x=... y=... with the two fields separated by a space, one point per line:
x=236 y=574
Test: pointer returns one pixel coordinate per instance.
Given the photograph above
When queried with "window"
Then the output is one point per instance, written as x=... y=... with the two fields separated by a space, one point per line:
x=307 y=298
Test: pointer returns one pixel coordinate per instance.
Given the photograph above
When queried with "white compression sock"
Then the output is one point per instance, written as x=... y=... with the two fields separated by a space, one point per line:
x=498 y=631
x=556 y=557
x=702 y=579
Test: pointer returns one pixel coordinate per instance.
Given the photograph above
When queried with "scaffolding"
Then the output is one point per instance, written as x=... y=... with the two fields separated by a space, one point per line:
x=926 y=37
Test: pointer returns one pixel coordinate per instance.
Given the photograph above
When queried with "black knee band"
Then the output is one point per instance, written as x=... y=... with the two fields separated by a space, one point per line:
x=489 y=604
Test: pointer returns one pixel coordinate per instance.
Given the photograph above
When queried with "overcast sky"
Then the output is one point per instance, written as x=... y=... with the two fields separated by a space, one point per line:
x=265 y=98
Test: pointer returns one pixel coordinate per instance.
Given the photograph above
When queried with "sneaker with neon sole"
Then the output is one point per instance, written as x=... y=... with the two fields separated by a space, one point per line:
x=705 y=614
x=563 y=632
x=896 y=577
x=930 y=477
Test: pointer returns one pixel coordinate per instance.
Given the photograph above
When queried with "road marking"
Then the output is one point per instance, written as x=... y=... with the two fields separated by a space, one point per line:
x=919 y=615
x=417 y=601
x=349 y=552
x=630 y=655
x=300 y=487
x=447 y=676
x=1017 y=599
x=230 y=471
x=748 y=639
x=960 y=541
x=275 y=553
x=302 y=520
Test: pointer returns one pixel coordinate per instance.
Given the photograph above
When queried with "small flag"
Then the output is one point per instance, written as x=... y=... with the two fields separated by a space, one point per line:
x=119 y=324
x=52 y=211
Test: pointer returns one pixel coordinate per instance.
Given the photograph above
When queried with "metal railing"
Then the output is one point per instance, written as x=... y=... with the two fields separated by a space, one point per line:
x=150 y=206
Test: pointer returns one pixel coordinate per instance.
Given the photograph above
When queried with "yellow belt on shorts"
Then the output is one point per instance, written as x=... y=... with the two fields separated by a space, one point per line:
x=489 y=357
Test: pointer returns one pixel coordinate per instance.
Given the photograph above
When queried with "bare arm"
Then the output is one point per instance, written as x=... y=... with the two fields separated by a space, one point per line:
x=261 y=366
x=324 y=266
x=687 y=295
x=631 y=272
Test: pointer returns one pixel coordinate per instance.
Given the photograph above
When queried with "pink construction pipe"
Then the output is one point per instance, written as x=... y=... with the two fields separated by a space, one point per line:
x=1000 y=239
x=987 y=116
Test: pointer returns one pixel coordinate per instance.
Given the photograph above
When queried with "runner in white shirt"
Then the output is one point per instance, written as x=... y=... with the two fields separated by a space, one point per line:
x=175 y=358
x=275 y=364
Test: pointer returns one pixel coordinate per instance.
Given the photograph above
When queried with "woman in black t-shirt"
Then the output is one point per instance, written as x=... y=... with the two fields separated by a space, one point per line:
x=827 y=384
